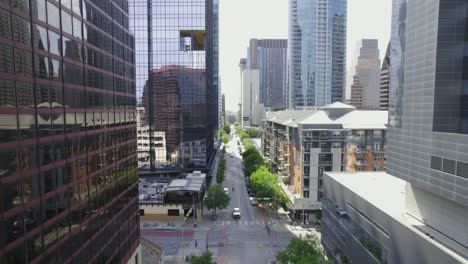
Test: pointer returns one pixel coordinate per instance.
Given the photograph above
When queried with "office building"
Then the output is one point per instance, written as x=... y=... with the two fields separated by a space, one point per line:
x=421 y=215
x=385 y=80
x=143 y=141
x=177 y=83
x=301 y=145
x=269 y=56
x=252 y=111
x=68 y=160
x=317 y=52
x=365 y=91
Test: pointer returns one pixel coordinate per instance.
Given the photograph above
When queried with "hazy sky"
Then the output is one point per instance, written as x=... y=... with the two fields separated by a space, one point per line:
x=241 y=20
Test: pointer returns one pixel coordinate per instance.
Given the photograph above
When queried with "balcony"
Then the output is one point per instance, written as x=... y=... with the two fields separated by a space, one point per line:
x=379 y=150
x=361 y=162
x=362 y=150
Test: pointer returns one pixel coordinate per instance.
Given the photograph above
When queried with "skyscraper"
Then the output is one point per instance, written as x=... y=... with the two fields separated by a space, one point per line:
x=317 y=52
x=177 y=83
x=68 y=181
x=365 y=92
x=417 y=211
x=269 y=56
x=385 y=80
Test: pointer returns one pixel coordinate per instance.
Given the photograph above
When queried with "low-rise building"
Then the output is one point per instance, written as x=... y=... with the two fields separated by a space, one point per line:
x=365 y=220
x=301 y=145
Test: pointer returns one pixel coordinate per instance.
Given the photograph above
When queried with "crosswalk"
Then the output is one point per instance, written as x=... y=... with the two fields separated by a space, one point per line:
x=244 y=222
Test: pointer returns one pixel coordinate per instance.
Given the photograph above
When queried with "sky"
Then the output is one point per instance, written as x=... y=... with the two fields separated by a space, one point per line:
x=241 y=20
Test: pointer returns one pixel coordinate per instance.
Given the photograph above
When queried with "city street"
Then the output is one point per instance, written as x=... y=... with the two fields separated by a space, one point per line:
x=255 y=236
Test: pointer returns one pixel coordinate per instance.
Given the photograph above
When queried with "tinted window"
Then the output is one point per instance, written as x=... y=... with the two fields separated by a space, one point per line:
x=55 y=69
x=40 y=38
x=23 y=62
x=21 y=30
x=6 y=59
x=66 y=22
x=54 y=15
x=5 y=24
x=42 y=67
x=54 y=42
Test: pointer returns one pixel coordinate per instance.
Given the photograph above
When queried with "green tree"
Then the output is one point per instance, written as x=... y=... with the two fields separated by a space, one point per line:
x=227 y=129
x=205 y=258
x=263 y=182
x=221 y=170
x=253 y=161
x=225 y=138
x=216 y=198
x=253 y=132
x=303 y=251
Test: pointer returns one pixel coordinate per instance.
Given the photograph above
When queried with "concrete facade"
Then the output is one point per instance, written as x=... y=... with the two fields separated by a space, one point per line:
x=252 y=110
x=364 y=221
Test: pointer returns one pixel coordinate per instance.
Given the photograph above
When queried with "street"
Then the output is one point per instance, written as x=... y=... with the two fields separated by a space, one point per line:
x=255 y=237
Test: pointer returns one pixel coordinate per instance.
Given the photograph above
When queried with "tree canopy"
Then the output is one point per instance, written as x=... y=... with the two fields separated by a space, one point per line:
x=303 y=251
x=216 y=198
x=227 y=129
x=225 y=138
x=205 y=258
x=253 y=161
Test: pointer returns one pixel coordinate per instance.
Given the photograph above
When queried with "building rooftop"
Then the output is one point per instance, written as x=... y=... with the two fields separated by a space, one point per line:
x=186 y=185
x=337 y=116
x=388 y=193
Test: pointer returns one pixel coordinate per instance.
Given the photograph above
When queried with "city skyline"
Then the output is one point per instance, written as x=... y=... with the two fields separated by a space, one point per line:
x=273 y=24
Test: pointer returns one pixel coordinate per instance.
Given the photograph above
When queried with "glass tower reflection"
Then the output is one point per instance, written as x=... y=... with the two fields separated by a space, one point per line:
x=68 y=182
x=177 y=77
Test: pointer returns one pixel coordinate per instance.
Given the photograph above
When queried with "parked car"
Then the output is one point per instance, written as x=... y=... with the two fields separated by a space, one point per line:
x=226 y=190
x=253 y=202
x=236 y=213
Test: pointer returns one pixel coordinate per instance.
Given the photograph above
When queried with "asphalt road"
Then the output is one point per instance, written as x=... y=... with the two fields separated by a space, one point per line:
x=255 y=237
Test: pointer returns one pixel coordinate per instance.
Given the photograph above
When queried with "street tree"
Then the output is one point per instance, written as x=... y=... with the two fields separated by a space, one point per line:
x=253 y=161
x=225 y=138
x=216 y=198
x=205 y=258
x=227 y=129
x=303 y=251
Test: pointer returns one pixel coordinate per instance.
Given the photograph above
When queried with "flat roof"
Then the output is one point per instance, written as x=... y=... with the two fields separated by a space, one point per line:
x=388 y=193
x=380 y=189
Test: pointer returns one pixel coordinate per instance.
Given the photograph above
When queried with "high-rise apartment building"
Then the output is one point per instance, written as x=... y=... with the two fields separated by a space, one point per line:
x=317 y=52
x=385 y=80
x=417 y=211
x=269 y=56
x=68 y=181
x=365 y=91
x=177 y=83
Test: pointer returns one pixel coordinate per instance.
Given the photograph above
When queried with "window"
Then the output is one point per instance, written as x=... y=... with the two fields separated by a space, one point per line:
x=23 y=62
x=66 y=3
x=6 y=59
x=42 y=67
x=360 y=156
x=39 y=10
x=76 y=7
x=76 y=27
x=55 y=46
x=66 y=22
x=359 y=169
x=53 y=14
x=173 y=212
x=360 y=133
x=306 y=183
x=5 y=24
x=67 y=48
x=40 y=38
x=21 y=4
x=21 y=30
x=55 y=70
x=377 y=157
x=306 y=194
x=377 y=146
x=377 y=133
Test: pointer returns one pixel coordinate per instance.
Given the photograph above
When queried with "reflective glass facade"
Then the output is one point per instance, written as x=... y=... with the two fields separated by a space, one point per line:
x=176 y=60
x=317 y=52
x=68 y=182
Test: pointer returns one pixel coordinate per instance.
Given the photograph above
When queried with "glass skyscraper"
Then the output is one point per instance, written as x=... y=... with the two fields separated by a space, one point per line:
x=68 y=181
x=177 y=80
x=317 y=52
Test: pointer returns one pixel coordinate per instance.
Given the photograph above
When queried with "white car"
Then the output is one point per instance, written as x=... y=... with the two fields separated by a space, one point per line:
x=226 y=190
x=236 y=213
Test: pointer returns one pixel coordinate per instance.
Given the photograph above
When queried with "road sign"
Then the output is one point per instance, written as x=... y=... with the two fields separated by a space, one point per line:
x=266 y=198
